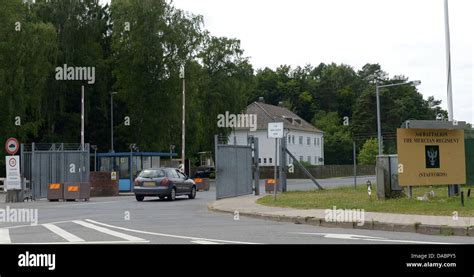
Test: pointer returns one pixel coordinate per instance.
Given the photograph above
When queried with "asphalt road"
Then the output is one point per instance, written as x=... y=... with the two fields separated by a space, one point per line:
x=122 y=219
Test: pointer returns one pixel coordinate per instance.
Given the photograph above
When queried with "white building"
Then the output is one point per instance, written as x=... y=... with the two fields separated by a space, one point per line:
x=304 y=140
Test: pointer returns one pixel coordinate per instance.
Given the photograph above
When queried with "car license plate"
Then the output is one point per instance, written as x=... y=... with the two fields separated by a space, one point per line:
x=149 y=184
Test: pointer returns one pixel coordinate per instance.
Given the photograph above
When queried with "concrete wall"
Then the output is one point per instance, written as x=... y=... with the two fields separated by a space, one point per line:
x=322 y=171
x=313 y=150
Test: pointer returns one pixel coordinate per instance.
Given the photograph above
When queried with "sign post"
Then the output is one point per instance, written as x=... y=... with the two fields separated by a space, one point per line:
x=11 y=146
x=275 y=130
x=12 y=166
x=13 y=180
x=431 y=157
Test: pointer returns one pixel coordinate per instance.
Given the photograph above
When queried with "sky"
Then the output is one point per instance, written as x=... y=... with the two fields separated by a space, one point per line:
x=404 y=36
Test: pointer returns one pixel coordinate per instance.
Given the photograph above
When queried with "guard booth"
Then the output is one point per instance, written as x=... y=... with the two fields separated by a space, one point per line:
x=129 y=164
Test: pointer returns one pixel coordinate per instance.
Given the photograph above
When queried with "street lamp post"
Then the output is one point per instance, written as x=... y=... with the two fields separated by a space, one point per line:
x=379 y=127
x=112 y=121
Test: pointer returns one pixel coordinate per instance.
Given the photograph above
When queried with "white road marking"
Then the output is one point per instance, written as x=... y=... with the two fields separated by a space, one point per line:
x=204 y=242
x=169 y=235
x=5 y=236
x=368 y=238
x=108 y=231
x=89 y=203
x=86 y=242
x=62 y=233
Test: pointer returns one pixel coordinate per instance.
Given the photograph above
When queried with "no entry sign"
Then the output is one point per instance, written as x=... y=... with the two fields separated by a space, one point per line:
x=12 y=146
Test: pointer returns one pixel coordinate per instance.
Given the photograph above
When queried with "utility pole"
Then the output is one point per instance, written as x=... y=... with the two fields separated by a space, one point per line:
x=452 y=189
x=183 y=138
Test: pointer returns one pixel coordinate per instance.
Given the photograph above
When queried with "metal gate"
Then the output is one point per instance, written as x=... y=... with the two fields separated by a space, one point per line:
x=234 y=169
x=43 y=164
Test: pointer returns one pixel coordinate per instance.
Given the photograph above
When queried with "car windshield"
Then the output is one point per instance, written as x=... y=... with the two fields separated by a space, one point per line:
x=152 y=173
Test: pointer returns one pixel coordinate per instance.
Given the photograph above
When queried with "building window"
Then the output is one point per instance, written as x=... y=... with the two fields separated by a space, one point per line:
x=293 y=139
x=309 y=159
x=317 y=141
x=270 y=160
x=301 y=158
x=301 y=139
x=259 y=160
x=264 y=160
x=308 y=140
x=289 y=139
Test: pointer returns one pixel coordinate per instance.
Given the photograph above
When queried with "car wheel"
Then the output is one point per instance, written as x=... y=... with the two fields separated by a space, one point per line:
x=192 y=195
x=172 y=195
x=140 y=197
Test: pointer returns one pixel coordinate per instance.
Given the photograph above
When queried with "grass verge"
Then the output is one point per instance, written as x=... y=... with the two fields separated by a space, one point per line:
x=350 y=198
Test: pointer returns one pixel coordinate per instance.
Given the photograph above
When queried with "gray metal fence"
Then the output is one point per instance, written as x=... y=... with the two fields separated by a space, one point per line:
x=43 y=164
x=234 y=170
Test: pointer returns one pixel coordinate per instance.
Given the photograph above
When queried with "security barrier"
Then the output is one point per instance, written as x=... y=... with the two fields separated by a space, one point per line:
x=55 y=192
x=270 y=185
x=69 y=191
x=202 y=184
x=76 y=191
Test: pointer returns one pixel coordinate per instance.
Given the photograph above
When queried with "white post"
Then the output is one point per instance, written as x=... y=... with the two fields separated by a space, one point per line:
x=448 y=61
x=82 y=119
x=275 y=173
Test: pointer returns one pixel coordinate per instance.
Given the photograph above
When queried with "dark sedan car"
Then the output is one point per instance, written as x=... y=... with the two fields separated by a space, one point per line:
x=163 y=182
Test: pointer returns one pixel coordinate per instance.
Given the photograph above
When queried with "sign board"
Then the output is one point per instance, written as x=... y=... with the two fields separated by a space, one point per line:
x=13 y=180
x=291 y=168
x=12 y=146
x=275 y=130
x=431 y=157
x=113 y=176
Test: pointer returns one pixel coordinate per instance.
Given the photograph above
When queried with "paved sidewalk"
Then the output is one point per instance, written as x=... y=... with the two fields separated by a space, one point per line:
x=425 y=224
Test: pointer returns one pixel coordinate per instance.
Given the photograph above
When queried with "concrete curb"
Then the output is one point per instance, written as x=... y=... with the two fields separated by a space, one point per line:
x=439 y=230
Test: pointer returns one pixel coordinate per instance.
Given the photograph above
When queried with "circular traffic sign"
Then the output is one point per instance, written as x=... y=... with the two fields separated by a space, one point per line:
x=12 y=162
x=12 y=146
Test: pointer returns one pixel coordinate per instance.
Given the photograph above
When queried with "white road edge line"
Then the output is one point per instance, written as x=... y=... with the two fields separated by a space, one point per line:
x=108 y=231
x=368 y=238
x=5 y=236
x=204 y=242
x=168 y=235
x=62 y=233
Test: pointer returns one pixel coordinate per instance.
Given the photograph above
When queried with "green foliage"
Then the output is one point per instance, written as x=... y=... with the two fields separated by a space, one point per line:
x=368 y=153
x=337 y=138
x=142 y=64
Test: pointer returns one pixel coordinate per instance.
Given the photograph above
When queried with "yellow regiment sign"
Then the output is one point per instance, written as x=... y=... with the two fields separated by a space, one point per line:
x=431 y=157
